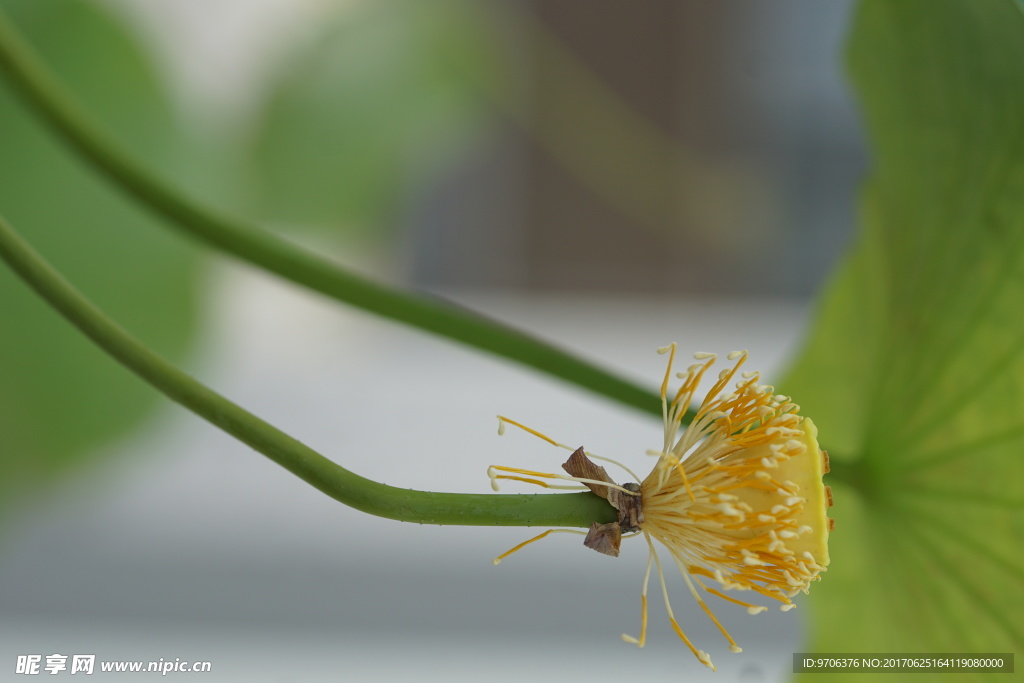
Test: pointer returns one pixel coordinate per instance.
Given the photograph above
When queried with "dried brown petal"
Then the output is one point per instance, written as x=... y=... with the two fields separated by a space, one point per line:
x=579 y=465
x=604 y=538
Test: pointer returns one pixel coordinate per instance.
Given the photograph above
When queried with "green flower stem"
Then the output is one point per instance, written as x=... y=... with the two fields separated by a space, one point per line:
x=574 y=510
x=43 y=92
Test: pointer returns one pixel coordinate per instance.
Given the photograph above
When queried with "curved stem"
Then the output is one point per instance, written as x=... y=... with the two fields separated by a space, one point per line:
x=42 y=91
x=577 y=510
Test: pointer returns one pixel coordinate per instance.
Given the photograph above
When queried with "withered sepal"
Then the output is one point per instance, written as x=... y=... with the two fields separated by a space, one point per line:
x=606 y=538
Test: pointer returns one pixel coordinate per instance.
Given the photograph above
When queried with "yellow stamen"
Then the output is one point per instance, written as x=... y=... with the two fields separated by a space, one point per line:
x=719 y=594
x=702 y=656
x=639 y=642
x=550 y=475
x=501 y=430
x=671 y=349
x=496 y=561
x=536 y=482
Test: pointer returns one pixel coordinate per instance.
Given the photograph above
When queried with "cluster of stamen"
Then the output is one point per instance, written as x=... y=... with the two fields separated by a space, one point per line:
x=736 y=497
x=722 y=498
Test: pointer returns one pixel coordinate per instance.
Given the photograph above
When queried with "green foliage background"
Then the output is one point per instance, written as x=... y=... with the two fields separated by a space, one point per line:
x=383 y=88
x=914 y=369
x=60 y=397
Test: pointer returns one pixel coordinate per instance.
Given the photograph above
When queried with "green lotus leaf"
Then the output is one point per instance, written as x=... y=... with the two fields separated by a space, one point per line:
x=60 y=398
x=914 y=371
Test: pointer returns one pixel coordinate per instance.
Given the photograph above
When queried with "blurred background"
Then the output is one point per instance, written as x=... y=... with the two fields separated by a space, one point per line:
x=608 y=176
